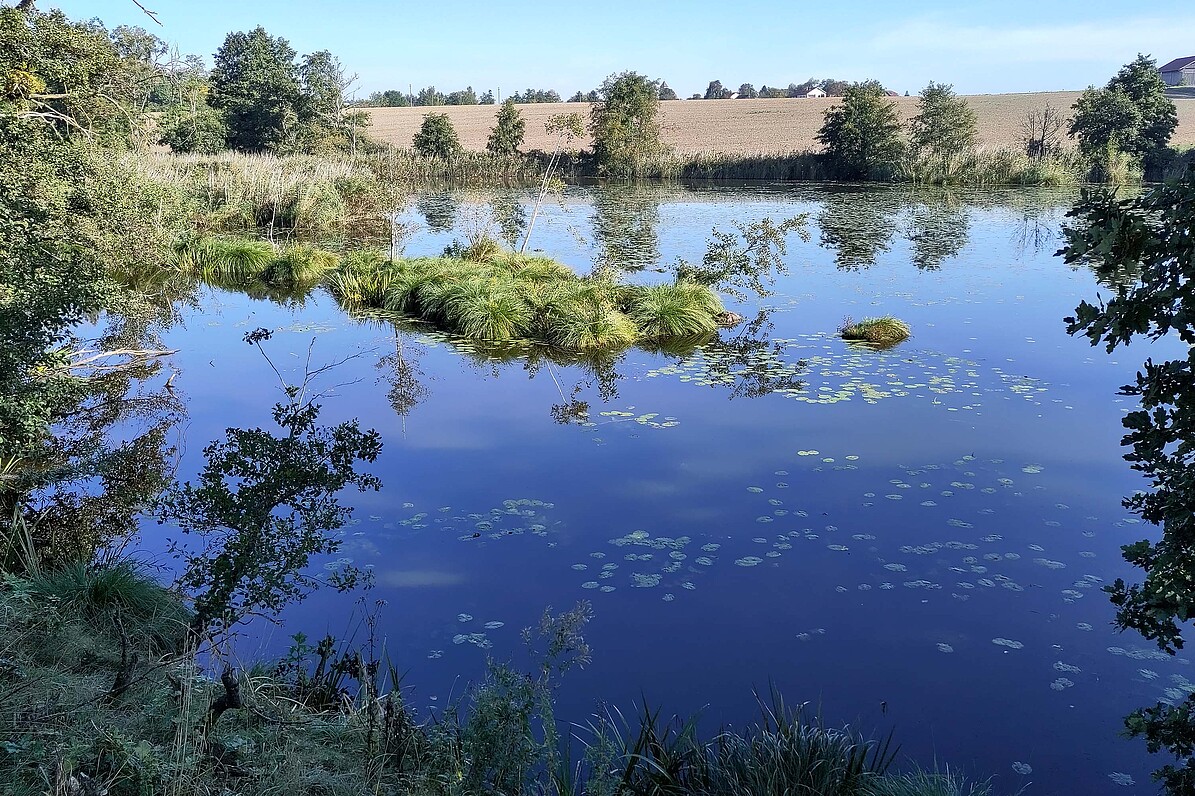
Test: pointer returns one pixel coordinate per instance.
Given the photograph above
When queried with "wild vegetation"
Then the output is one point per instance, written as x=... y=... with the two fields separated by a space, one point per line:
x=1146 y=239
x=103 y=682
x=881 y=332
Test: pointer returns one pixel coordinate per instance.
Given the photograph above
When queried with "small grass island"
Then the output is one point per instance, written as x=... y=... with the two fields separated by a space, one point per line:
x=481 y=292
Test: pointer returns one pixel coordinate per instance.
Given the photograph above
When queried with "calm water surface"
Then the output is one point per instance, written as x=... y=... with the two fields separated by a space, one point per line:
x=911 y=539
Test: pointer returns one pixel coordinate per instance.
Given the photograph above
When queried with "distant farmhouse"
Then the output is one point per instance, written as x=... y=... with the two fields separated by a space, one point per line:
x=1179 y=72
x=817 y=92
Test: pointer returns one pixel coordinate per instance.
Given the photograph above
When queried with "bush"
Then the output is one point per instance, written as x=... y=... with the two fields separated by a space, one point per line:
x=437 y=137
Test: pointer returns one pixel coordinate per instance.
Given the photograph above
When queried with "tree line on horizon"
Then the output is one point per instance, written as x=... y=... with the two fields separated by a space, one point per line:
x=430 y=97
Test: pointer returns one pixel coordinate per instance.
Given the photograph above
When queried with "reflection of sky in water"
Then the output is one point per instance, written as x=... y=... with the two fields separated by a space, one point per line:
x=927 y=527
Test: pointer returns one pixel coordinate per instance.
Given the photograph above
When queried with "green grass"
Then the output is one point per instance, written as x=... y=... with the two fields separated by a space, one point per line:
x=305 y=193
x=309 y=728
x=123 y=592
x=882 y=332
x=301 y=264
x=677 y=311
x=514 y=298
x=225 y=259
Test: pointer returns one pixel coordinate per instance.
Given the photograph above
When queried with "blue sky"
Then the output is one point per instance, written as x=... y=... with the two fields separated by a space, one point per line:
x=991 y=47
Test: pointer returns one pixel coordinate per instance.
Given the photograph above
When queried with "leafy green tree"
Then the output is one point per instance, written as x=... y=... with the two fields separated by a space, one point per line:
x=1131 y=114
x=715 y=90
x=1149 y=236
x=437 y=137
x=862 y=133
x=534 y=95
x=465 y=97
x=625 y=126
x=68 y=211
x=196 y=127
x=1142 y=83
x=944 y=125
x=507 y=135
x=747 y=91
x=666 y=92
x=429 y=97
x=838 y=88
x=486 y=99
x=391 y=98
x=1105 y=120
x=255 y=83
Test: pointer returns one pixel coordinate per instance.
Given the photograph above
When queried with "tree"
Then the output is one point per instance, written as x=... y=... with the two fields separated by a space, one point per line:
x=862 y=133
x=534 y=95
x=1131 y=114
x=666 y=92
x=838 y=88
x=747 y=91
x=255 y=83
x=486 y=99
x=625 y=128
x=715 y=90
x=1105 y=121
x=1040 y=130
x=507 y=135
x=1149 y=235
x=390 y=98
x=466 y=97
x=429 y=96
x=944 y=125
x=437 y=137
x=1142 y=83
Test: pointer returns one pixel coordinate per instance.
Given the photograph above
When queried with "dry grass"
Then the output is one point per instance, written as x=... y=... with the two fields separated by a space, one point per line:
x=769 y=126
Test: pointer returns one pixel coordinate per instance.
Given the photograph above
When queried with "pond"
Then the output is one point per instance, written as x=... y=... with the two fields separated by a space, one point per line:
x=912 y=539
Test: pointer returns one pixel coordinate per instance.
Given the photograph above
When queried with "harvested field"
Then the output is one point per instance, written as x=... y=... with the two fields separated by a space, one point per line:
x=742 y=127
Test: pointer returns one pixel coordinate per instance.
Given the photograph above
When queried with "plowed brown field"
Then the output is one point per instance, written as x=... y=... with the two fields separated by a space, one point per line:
x=743 y=127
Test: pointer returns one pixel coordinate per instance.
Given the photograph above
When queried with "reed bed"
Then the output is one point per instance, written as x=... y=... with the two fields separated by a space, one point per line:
x=304 y=193
x=1004 y=166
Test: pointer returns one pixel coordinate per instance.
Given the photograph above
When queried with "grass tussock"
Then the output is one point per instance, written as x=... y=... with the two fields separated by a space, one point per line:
x=256 y=266
x=511 y=297
x=881 y=332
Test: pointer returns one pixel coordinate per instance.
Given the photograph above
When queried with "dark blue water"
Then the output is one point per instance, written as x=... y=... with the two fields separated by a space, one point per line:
x=910 y=539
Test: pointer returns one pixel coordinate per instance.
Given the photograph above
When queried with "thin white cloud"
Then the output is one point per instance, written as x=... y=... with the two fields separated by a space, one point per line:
x=1088 y=42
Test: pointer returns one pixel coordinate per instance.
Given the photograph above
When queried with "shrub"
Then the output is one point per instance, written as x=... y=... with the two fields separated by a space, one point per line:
x=436 y=137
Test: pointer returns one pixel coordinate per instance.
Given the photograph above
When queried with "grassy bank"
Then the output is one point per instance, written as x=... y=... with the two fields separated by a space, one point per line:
x=94 y=699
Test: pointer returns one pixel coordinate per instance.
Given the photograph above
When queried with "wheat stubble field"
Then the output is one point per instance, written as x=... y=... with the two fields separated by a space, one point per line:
x=743 y=127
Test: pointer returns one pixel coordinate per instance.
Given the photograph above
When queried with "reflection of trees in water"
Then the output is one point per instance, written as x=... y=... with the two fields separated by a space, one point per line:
x=403 y=373
x=625 y=221
x=438 y=210
x=858 y=225
x=510 y=216
x=752 y=361
x=937 y=230
x=111 y=453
